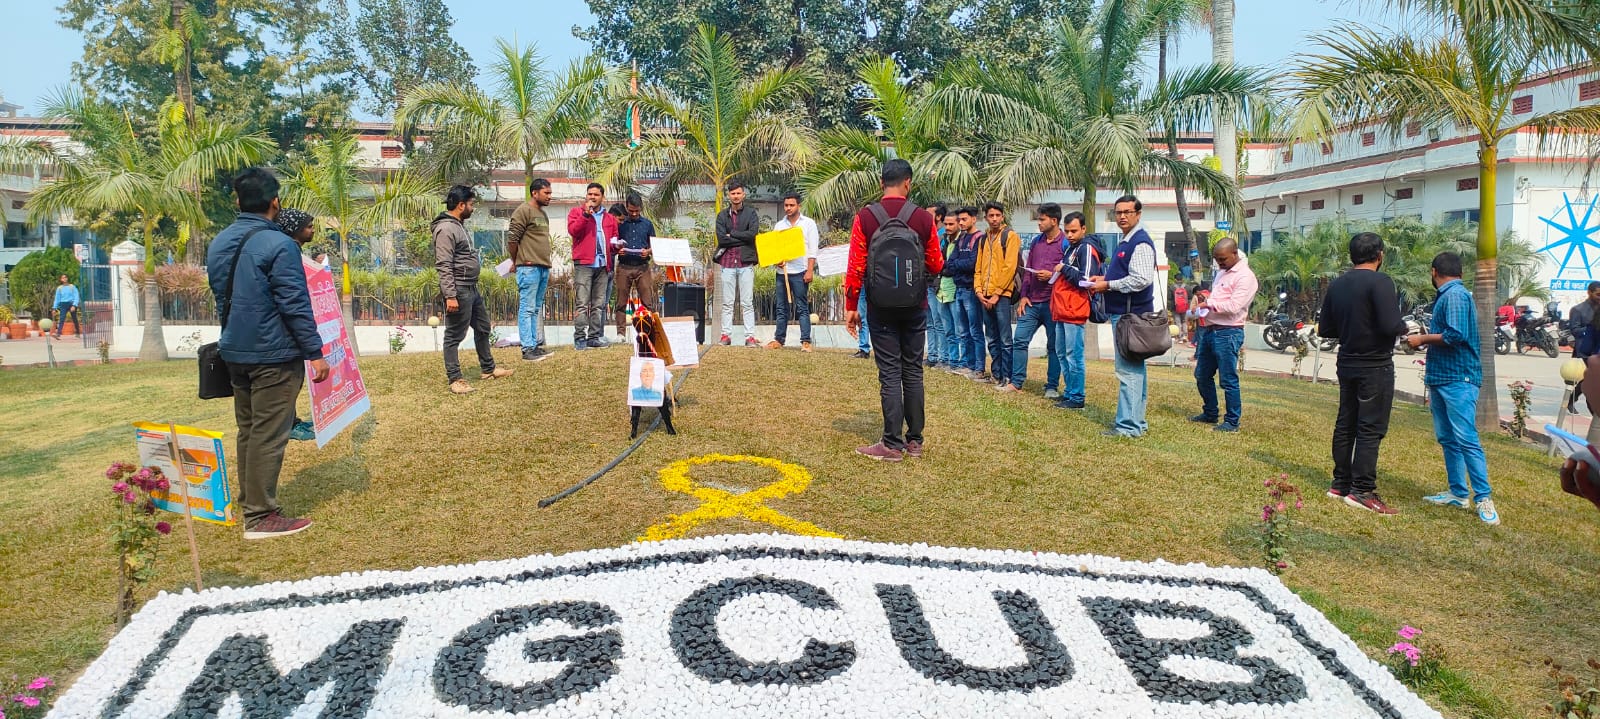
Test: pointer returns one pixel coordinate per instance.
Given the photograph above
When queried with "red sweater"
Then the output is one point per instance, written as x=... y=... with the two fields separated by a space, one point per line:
x=866 y=224
x=580 y=225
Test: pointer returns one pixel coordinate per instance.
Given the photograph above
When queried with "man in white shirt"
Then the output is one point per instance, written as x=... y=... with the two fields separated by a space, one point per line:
x=1132 y=286
x=794 y=277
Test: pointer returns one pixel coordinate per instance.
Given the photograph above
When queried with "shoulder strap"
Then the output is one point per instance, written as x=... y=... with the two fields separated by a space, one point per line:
x=879 y=213
x=234 y=272
x=905 y=212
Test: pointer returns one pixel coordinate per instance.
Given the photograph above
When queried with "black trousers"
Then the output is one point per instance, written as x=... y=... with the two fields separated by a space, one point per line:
x=471 y=313
x=899 y=342
x=1366 y=395
x=263 y=406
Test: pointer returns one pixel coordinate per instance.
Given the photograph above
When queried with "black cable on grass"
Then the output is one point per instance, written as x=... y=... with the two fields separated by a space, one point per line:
x=569 y=491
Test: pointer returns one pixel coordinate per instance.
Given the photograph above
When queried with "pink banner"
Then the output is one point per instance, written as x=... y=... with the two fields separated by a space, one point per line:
x=338 y=402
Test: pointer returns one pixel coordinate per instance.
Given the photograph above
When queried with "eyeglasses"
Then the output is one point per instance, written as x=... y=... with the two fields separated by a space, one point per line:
x=1126 y=212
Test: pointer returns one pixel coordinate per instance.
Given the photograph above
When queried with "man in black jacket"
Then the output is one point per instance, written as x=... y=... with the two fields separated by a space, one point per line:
x=457 y=261
x=736 y=254
x=1362 y=311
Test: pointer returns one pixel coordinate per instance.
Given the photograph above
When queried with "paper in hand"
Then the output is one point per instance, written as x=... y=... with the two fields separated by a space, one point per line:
x=504 y=268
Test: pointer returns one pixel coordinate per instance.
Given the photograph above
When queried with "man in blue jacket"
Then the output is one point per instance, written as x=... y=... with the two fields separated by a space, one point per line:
x=960 y=263
x=268 y=334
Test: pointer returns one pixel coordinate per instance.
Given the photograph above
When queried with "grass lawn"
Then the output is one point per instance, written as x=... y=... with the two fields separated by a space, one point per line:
x=439 y=479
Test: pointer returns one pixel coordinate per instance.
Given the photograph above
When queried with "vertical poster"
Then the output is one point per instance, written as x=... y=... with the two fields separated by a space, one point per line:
x=205 y=469
x=339 y=401
x=647 y=378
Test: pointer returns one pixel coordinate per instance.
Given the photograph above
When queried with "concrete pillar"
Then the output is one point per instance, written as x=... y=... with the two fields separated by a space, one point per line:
x=126 y=256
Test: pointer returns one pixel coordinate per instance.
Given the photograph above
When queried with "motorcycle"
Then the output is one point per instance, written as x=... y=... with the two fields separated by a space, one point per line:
x=1280 y=331
x=1536 y=331
x=1416 y=323
x=1503 y=338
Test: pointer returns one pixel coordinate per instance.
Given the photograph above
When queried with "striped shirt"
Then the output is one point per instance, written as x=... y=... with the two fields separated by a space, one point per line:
x=1455 y=319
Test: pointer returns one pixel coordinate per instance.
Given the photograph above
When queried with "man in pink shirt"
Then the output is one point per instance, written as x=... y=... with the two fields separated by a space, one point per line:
x=1221 y=334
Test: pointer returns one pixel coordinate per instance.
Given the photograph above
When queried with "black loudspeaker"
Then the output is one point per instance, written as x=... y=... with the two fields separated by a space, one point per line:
x=682 y=299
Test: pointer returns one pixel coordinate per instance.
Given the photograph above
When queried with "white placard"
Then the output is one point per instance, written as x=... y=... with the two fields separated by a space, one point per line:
x=504 y=268
x=680 y=339
x=833 y=260
x=647 y=377
x=671 y=252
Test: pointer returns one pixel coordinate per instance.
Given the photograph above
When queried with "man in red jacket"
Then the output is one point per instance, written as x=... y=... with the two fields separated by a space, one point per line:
x=592 y=230
x=899 y=334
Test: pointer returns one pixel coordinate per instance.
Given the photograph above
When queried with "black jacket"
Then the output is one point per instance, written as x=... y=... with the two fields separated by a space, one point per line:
x=741 y=237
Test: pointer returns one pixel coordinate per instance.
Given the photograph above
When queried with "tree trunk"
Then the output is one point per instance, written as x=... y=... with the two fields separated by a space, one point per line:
x=347 y=314
x=154 y=346
x=714 y=270
x=195 y=247
x=1225 y=139
x=1172 y=151
x=1484 y=275
x=1088 y=207
x=1091 y=331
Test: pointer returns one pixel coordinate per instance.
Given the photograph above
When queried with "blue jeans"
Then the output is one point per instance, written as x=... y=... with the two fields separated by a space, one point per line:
x=997 y=329
x=935 y=328
x=1133 y=392
x=944 y=315
x=1034 y=319
x=1216 y=352
x=531 y=285
x=799 y=307
x=863 y=341
x=969 y=326
x=1069 y=342
x=1454 y=408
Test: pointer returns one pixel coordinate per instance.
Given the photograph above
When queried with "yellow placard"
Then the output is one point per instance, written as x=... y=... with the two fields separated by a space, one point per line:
x=780 y=246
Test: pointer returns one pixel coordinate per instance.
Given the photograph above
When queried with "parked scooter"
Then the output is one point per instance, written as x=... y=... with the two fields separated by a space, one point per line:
x=1503 y=337
x=1536 y=331
x=1279 y=333
x=1416 y=323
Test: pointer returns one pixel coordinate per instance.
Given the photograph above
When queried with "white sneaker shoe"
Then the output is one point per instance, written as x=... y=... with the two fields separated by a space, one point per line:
x=1446 y=499
x=1488 y=513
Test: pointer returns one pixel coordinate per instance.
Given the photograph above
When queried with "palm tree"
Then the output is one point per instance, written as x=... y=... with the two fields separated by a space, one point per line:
x=1082 y=120
x=739 y=127
x=1302 y=264
x=119 y=171
x=528 y=118
x=1183 y=15
x=848 y=174
x=332 y=184
x=1225 y=137
x=1464 y=71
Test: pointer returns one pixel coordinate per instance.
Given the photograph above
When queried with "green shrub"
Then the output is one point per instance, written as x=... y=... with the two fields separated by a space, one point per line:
x=33 y=281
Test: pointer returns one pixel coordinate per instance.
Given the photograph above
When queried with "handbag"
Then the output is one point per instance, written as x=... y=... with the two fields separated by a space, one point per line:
x=1141 y=336
x=215 y=380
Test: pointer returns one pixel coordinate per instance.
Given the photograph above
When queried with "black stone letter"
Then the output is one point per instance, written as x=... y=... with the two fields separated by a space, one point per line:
x=243 y=665
x=1048 y=665
x=694 y=636
x=1269 y=684
x=591 y=658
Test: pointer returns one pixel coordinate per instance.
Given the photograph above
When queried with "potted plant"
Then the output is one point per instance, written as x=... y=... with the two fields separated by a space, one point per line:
x=5 y=320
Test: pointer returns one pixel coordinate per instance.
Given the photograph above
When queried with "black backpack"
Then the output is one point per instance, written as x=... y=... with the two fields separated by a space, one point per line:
x=897 y=273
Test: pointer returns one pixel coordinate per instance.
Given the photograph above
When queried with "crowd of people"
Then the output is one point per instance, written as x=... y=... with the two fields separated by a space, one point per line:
x=927 y=289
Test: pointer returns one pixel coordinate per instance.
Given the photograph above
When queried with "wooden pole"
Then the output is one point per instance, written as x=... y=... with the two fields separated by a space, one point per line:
x=188 y=516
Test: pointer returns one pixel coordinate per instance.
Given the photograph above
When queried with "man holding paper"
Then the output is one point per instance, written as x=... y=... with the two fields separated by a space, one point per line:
x=593 y=231
x=737 y=227
x=794 y=276
x=1043 y=265
x=633 y=255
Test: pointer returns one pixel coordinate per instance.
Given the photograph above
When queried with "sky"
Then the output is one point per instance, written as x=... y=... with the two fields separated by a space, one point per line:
x=36 y=53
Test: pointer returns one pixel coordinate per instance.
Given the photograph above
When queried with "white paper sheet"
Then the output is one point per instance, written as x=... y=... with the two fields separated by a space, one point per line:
x=504 y=268
x=671 y=252
x=680 y=339
x=833 y=260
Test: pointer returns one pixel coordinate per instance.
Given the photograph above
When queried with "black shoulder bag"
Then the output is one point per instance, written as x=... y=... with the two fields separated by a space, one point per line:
x=215 y=381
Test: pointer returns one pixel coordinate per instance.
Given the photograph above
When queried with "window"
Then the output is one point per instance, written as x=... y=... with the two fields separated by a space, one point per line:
x=1280 y=210
x=1466 y=183
x=1413 y=129
x=1368 y=139
x=1318 y=204
x=1433 y=134
x=16 y=204
x=501 y=211
x=1522 y=105
x=1327 y=148
x=391 y=152
x=1249 y=213
x=1589 y=91
x=1404 y=193
x=1197 y=215
x=1357 y=199
x=18 y=234
x=1460 y=216
x=1288 y=156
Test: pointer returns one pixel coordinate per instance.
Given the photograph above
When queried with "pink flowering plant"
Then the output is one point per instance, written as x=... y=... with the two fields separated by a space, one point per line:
x=1281 y=497
x=1580 y=698
x=28 y=702
x=1408 y=660
x=135 y=533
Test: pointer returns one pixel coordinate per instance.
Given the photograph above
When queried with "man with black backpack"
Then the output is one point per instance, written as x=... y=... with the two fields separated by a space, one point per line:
x=893 y=269
x=267 y=339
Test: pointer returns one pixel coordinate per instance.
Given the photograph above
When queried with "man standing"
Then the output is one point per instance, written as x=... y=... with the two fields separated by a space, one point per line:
x=937 y=347
x=995 y=282
x=633 y=255
x=66 y=302
x=1217 y=343
x=528 y=245
x=1131 y=289
x=592 y=229
x=899 y=332
x=736 y=253
x=1580 y=322
x=1045 y=257
x=968 y=310
x=1071 y=305
x=944 y=299
x=794 y=278
x=266 y=342
x=1362 y=311
x=1453 y=375
x=457 y=261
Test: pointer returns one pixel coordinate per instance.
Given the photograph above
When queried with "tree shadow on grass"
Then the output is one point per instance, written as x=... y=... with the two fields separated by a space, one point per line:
x=316 y=485
x=864 y=424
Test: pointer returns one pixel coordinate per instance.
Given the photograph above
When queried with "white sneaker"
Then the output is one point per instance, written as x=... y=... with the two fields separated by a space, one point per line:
x=1052 y=394
x=1446 y=499
x=1487 y=512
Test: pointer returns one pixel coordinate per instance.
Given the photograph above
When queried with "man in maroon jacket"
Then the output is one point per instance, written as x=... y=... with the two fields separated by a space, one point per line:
x=593 y=230
x=899 y=334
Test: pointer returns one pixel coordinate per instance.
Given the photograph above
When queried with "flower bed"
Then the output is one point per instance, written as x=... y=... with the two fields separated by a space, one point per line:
x=749 y=626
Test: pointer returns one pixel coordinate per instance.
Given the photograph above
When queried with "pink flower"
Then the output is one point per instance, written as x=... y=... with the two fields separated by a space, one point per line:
x=1281 y=507
x=1266 y=483
x=119 y=488
x=27 y=701
x=163 y=527
x=1283 y=565
x=163 y=485
x=1299 y=504
x=40 y=683
x=128 y=497
x=1409 y=632
x=1266 y=514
